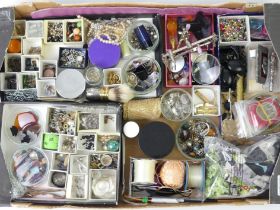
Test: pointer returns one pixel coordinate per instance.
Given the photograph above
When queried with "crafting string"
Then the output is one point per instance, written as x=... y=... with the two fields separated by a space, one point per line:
x=260 y=105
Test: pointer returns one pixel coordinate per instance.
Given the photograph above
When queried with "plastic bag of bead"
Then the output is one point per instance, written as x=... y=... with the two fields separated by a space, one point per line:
x=256 y=115
x=232 y=172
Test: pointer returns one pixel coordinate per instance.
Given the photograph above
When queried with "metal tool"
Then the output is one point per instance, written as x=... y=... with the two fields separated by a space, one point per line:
x=170 y=56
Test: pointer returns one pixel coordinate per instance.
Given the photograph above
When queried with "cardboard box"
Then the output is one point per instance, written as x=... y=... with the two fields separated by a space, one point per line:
x=24 y=11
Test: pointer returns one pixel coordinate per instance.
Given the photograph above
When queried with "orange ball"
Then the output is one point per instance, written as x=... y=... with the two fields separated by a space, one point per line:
x=77 y=38
x=14 y=46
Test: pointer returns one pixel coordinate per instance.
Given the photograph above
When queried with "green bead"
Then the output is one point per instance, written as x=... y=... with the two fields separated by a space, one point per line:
x=112 y=145
x=50 y=141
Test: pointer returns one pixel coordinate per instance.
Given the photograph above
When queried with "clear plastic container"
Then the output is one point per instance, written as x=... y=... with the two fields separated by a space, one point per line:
x=142 y=74
x=176 y=104
x=147 y=38
x=30 y=166
x=29 y=132
x=94 y=76
x=191 y=134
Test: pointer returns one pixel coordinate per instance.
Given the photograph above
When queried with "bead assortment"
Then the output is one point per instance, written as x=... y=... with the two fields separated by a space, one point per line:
x=112 y=77
x=25 y=128
x=67 y=144
x=87 y=141
x=142 y=36
x=34 y=29
x=30 y=63
x=191 y=134
x=54 y=31
x=49 y=70
x=103 y=161
x=176 y=105
x=62 y=121
x=58 y=179
x=19 y=29
x=9 y=81
x=233 y=29
x=75 y=58
x=79 y=187
x=13 y=63
x=74 y=30
x=88 y=121
x=142 y=74
x=60 y=162
x=28 y=81
x=29 y=166
x=94 y=76
x=79 y=164
x=46 y=88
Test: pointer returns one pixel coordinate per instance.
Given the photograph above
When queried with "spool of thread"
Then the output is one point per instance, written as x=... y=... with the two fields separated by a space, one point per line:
x=142 y=109
x=195 y=176
x=143 y=37
x=144 y=171
x=125 y=49
x=239 y=88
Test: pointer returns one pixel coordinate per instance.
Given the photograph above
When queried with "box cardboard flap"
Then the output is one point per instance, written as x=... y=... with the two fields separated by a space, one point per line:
x=6 y=29
x=272 y=19
x=5 y=185
x=24 y=10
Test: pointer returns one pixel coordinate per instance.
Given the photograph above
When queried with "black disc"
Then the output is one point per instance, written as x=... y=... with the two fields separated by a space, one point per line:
x=156 y=139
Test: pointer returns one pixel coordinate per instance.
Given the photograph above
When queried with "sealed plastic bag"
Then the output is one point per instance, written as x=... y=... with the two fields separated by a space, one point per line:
x=232 y=172
x=256 y=115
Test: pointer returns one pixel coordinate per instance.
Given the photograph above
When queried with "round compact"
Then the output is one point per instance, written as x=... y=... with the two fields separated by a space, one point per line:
x=104 y=55
x=142 y=74
x=176 y=104
x=206 y=69
x=29 y=166
x=156 y=139
x=23 y=126
x=142 y=36
x=131 y=129
x=191 y=134
x=70 y=84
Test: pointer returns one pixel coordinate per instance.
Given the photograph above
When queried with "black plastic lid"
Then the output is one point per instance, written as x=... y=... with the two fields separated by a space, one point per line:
x=156 y=139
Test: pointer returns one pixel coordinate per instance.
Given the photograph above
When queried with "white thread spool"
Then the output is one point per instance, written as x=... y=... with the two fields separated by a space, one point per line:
x=195 y=176
x=144 y=171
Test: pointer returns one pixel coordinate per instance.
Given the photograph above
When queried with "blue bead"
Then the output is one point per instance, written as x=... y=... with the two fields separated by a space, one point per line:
x=112 y=145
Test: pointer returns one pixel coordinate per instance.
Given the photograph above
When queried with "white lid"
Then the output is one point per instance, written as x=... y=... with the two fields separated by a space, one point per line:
x=131 y=129
x=70 y=83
